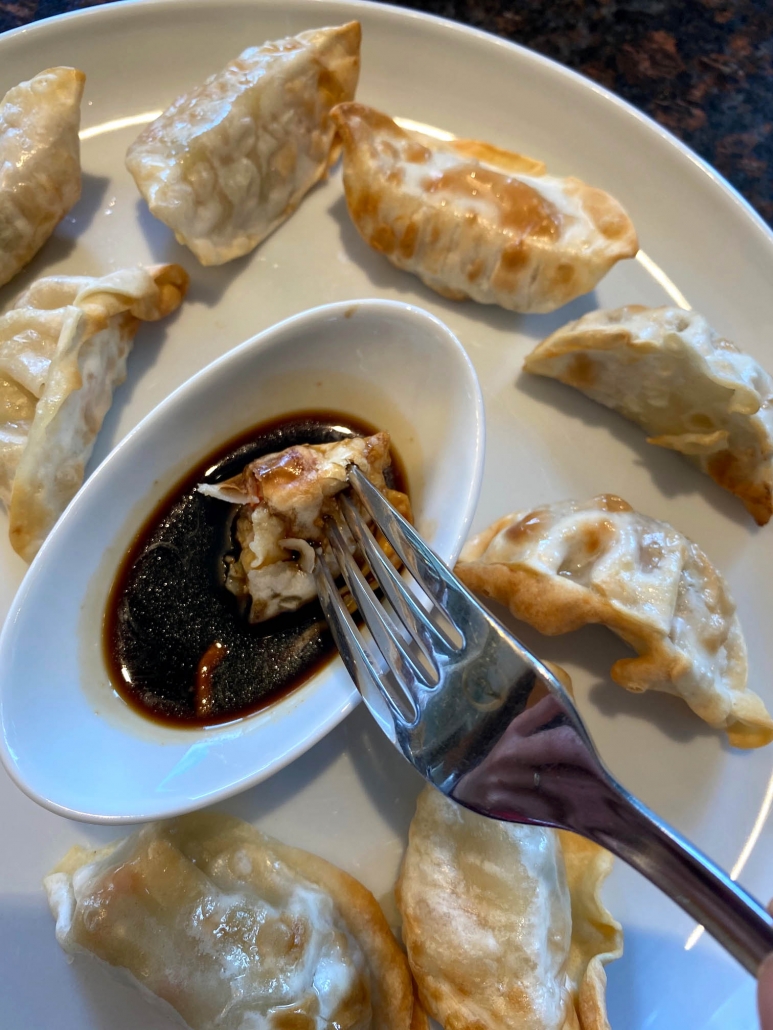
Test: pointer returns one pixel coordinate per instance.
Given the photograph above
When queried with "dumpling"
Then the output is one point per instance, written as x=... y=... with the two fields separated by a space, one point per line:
x=284 y=498
x=690 y=389
x=63 y=350
x=475 y=221
x=40 y=165
x=232 y=159
x=232 y=930
x=503 y=923
x=568 y=564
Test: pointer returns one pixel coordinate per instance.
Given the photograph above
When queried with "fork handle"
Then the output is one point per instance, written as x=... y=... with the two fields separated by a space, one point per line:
x=731 y=915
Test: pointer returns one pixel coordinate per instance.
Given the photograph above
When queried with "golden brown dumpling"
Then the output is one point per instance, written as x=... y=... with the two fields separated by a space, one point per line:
x=232 y=159
x=687 y=387
x=232 y=930
x=503 y=923
x=283 y=499
x=565 y=565
x=63 y=350
x=475 y=221
x=40 y=165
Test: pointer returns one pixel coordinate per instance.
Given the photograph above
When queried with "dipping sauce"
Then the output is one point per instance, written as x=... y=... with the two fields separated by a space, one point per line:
x=178 y=645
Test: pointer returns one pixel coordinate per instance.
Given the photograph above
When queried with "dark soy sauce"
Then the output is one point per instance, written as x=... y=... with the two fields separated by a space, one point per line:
x=178 y=645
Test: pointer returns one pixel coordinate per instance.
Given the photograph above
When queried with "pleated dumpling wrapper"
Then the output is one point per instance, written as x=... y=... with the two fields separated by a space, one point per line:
x=63 y=350
x=474 y=221
x=40 y=162
x=503 y=923
x=234 y=930
x=572 y=563
x=687 y=387
x=283 y=499
x=232 y=159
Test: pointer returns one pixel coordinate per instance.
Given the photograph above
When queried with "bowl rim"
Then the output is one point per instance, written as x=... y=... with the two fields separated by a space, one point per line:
x=254 y=344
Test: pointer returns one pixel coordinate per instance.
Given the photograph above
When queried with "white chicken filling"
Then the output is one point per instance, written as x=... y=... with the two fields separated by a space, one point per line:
x=284 y=498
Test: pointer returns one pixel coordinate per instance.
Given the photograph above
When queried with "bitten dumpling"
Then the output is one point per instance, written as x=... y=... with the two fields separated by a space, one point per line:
x=687 y=387
x=503 y=923
x=231 y=930
x=40 y=164
x=232 y=159
x=283 y=500
x=63 y=350
x=568 y=564
x=473 y=221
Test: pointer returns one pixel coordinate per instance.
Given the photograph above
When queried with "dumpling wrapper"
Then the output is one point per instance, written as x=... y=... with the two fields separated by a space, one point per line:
x=232 y=159
x=474 y=221
x=63 y=350
x=687 y=387
x=284 y=498
x=503 y=923
x=569 y=564
x=233 y=929
x=40 y=164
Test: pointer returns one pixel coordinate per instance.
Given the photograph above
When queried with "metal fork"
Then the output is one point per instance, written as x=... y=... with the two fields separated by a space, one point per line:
x=490 y=726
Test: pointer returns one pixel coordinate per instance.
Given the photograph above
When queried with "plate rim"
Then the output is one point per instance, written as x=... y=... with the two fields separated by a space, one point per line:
x=577 y=79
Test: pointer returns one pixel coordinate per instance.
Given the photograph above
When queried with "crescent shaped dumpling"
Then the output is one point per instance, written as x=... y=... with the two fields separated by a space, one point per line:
x=569 y=564
x=503 y=923
x=283 y=498
x=473 y=221
x=63 y=350
x=40 y=164
x=687 y=387
x=232 y=930
x=230 y=160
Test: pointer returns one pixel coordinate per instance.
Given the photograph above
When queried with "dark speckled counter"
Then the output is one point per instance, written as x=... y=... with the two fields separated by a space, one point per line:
x=702 y=68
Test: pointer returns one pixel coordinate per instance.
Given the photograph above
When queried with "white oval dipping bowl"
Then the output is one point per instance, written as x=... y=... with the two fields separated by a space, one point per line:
x=68 y=739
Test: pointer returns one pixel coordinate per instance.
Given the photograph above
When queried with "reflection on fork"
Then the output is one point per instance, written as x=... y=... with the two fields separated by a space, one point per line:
x=489 y=725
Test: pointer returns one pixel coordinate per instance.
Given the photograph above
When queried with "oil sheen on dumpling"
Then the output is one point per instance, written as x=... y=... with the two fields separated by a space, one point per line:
x=568 y=564
x=232 y=159
x=284 y=498
x=503 y=923
x=475 y=221
x=233 y=930
x=63 y=350
x=40 y=165
x=687 y=387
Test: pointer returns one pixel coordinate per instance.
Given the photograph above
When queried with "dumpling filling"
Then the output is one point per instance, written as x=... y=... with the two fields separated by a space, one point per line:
x=284 y=498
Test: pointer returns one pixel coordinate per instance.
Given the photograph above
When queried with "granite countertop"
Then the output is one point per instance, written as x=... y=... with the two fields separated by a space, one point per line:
x=702 y=68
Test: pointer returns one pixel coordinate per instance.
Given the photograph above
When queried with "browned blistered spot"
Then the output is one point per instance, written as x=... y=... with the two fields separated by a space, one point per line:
x=416 y=153
x=513 y=259
x=530 y=525
x=330 y=87
x=595 y=537
x=520 y=208
x=725 y=469
x=383 y=238
x=283 y=468
x=607 y=215
x=475 y=269
x=364 y=205
x=407 y=244
x=581 y=372
x=611 y=502
x=396 y=177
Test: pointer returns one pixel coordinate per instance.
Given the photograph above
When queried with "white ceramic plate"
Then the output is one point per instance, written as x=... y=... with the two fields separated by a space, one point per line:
x=68 y=738
x=350 y=798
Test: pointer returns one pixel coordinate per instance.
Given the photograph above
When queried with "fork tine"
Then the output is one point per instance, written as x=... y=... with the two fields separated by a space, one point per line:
x=403 y=665
x=438 y=581
x=412 y=616
x=351 y=646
